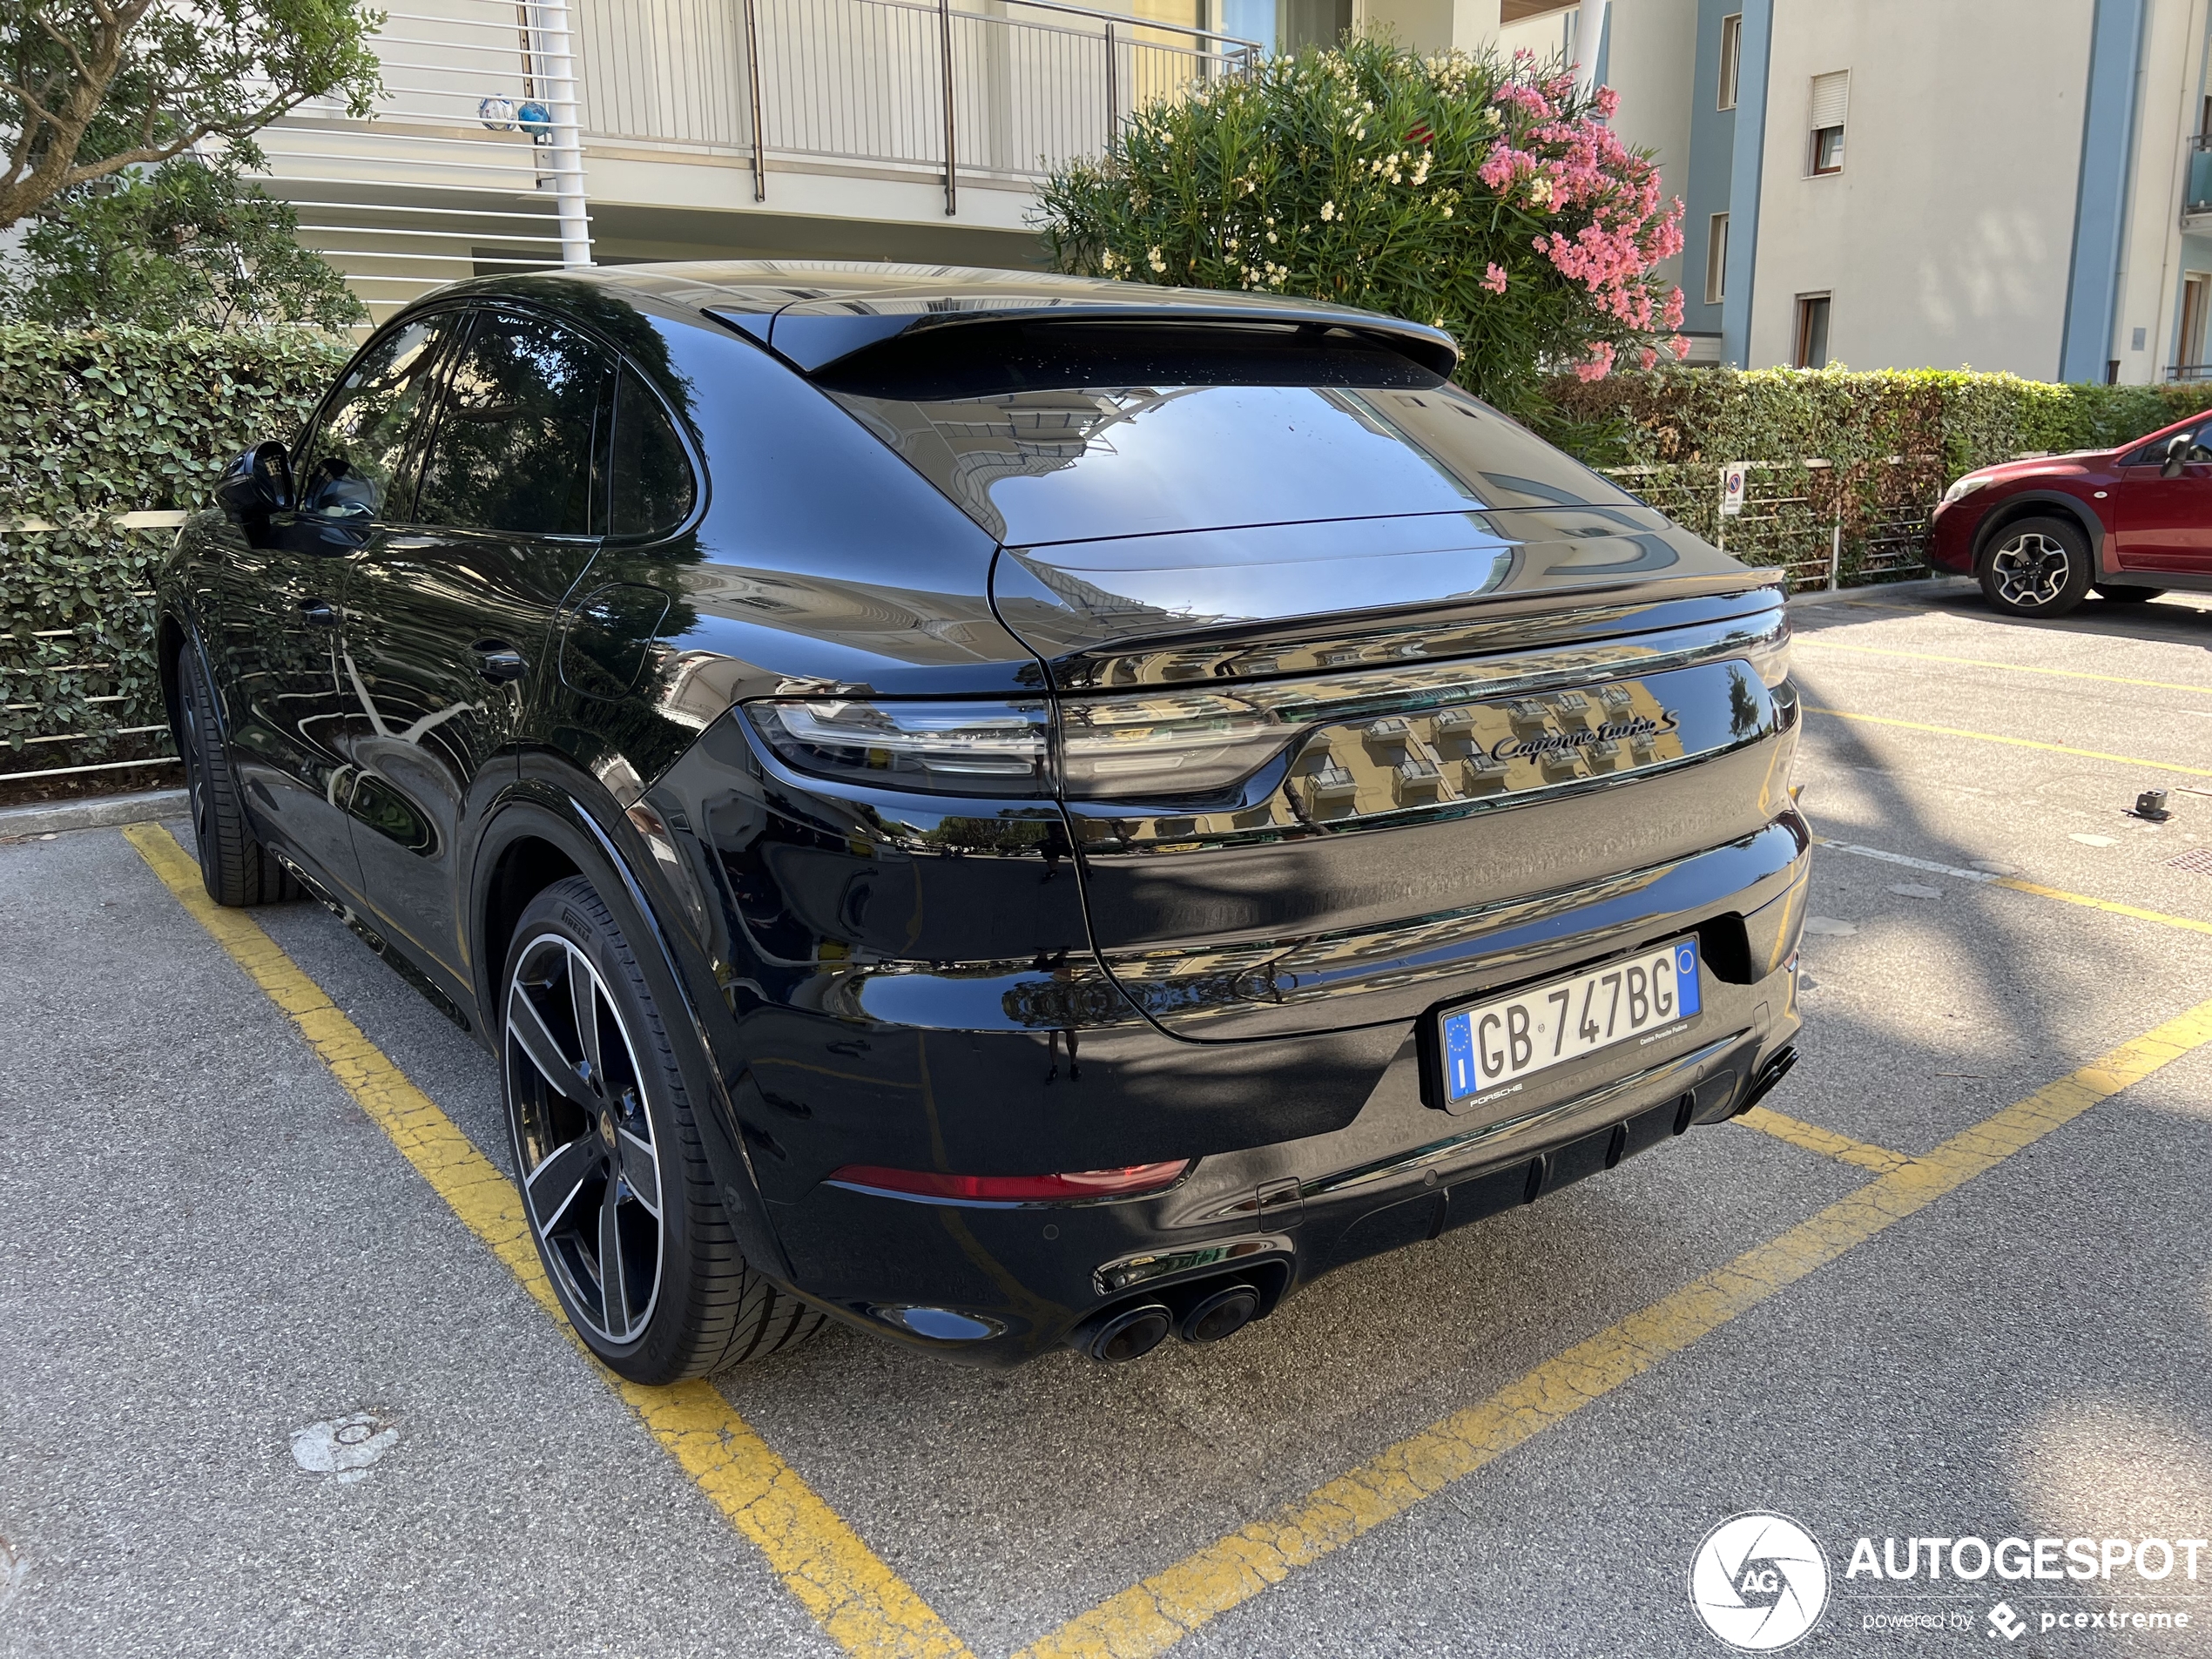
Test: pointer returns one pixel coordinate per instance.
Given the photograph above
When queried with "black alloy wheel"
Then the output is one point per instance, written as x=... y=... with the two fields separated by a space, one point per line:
x=234 y=867
x=607 y=1155
x=2037 y=567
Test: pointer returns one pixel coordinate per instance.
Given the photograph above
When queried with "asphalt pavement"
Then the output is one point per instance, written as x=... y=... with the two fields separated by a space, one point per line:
x=219 y=1278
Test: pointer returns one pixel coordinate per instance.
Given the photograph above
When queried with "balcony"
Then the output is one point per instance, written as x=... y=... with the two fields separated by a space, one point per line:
x=498 y=119
x=2196 y=192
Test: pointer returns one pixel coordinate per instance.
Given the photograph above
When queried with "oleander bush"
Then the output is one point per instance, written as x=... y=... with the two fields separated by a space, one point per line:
x=95 y=423
x=1484 y=194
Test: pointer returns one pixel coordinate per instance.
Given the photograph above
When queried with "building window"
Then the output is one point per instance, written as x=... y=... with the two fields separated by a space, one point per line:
x=1830 y=100
x=1716 y=259
x=1732 y=56
x=1812 y=331
x=2188 y=350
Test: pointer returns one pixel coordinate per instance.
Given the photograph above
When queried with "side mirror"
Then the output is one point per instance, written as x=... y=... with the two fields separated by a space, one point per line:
x=2177 y=454
x=256 y=484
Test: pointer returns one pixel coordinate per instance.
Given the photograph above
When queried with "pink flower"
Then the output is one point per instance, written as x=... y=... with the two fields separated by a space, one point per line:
x=1494 y=277
x=1647 y=357
x=1600 y=365
x=1679 y=346
x=1608 y=101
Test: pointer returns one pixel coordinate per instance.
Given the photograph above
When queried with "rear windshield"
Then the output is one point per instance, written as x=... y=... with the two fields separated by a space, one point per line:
x=1065 y=432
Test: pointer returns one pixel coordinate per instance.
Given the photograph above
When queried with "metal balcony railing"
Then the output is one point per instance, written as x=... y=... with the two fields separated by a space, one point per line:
x=473 y=159
x=2197 y=196
x=1005 y=93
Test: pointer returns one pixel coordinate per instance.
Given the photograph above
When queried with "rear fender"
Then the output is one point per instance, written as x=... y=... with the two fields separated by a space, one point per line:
x=575 y=820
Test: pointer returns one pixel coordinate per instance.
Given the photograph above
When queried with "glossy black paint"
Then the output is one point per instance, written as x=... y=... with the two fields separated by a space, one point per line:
x=1025 y=985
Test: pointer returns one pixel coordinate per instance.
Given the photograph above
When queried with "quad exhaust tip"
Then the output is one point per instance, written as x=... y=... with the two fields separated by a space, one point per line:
x=1222 y=1313
x=1205 y=1314
x=1130 y=1334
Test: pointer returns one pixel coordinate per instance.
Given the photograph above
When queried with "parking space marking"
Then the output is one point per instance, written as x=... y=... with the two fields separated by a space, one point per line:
x=1802 y=642
x=2017 y=743
x=1149 y=1618
x=864 y=1606
x=1825 y=1141
x=2012 y=883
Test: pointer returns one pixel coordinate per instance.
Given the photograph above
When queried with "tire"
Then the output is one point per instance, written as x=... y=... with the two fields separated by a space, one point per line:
x=2116 y=595
x=2036 y=567
x=236 y=869
x=591 y=1135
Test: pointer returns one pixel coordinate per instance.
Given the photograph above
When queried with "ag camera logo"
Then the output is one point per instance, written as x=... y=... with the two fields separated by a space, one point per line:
x=1759 y=1581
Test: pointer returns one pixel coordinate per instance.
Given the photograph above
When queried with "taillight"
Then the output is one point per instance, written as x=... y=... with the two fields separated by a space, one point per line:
x=936 y=748
x=1171 y=743
x=1125 y=1183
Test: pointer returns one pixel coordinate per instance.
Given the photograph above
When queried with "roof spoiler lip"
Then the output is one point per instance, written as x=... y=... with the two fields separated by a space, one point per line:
x=846 y=334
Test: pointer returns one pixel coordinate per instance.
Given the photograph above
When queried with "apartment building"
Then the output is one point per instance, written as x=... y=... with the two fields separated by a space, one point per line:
x=2022 y=185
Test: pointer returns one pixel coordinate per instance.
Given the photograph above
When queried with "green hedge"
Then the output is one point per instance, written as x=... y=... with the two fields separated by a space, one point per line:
x=94 y=424
x=102 y=422
x=1895 y=439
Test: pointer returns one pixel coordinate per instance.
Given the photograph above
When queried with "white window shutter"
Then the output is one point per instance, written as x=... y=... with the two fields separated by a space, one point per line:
x=1830 y=98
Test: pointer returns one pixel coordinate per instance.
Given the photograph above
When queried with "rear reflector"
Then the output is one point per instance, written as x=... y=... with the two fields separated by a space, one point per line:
x=1012 y=1189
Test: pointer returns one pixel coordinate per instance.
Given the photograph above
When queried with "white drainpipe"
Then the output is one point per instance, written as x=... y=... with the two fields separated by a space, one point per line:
x=1589 y=32
x=558 y=91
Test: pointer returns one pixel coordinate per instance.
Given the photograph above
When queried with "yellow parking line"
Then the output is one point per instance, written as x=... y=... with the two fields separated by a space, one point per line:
x=1149 y=1618
x=2017 y=743
x=867 y=1609
x=1984 y=878
x=1825 y=1141
x=1802 y=642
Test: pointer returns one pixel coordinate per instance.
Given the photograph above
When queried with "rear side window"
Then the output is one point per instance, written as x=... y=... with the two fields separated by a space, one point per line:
x=355 y=457
x=652 y=489
x=1047 y=433
x=520 y=432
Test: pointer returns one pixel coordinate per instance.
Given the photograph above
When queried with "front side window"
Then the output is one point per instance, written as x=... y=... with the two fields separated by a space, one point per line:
x=519 y=435
x=357 y=455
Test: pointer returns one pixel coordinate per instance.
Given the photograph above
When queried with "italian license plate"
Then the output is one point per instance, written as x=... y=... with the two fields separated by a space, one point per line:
x=1498 y=1042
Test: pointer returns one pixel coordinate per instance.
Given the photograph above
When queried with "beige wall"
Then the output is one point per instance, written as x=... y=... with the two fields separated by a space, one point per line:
x=1430 y=25
x=1945 y=239
x=1652 y=64
x=1546 y=36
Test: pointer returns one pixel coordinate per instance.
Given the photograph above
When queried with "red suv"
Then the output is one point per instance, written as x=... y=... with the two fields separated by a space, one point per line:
x=2130 y=522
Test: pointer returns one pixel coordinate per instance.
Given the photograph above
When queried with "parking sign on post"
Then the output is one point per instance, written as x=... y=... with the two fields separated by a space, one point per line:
x=1732 y=487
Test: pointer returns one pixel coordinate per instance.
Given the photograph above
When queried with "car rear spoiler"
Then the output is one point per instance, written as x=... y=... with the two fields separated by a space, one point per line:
x=811 y=335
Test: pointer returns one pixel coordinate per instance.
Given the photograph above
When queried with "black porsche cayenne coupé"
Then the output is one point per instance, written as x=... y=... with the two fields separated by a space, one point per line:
x=1010 y=812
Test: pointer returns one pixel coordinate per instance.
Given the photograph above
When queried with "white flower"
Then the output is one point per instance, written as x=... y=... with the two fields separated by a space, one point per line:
x=1448 y=210
x=1328 y=211
x=1155 y=261
x=1270 y=236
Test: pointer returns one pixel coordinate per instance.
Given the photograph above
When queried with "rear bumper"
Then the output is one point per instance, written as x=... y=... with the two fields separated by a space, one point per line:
x=1312 y=1151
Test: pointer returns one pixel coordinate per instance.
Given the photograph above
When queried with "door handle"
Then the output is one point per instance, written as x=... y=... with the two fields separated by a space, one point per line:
x=496 y=660
x=320 y=612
